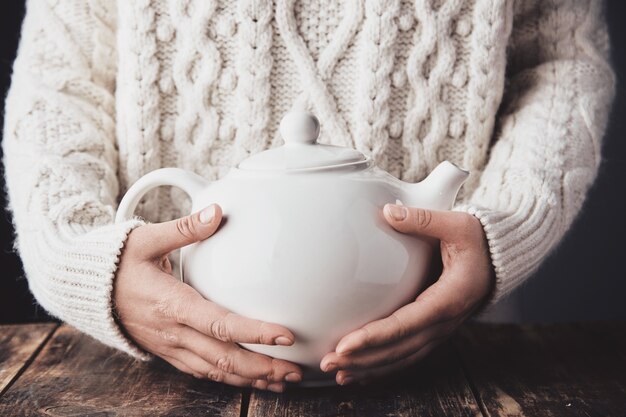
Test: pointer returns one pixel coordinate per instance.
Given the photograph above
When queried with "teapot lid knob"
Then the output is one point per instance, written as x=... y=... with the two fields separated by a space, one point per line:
x=299 y=127
x=301 y=151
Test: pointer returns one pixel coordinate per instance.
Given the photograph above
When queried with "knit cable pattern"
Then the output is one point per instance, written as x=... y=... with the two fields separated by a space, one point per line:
x=139 y=144
x=254 y=65
x=313 y=78
x=195 y=72
x=485 y=86
x=377 y=62
x=429 y=65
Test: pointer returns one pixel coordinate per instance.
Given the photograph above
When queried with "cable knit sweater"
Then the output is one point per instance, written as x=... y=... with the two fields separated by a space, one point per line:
x=517 y=92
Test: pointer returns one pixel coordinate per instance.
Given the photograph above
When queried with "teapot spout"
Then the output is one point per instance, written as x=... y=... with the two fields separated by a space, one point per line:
x=438 y=191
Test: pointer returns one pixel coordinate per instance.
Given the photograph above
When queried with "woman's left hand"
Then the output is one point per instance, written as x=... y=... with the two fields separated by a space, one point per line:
x=409 y=334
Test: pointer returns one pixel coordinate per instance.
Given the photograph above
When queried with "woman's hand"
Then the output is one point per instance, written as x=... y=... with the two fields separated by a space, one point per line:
x=170 y=319
x=409 y=334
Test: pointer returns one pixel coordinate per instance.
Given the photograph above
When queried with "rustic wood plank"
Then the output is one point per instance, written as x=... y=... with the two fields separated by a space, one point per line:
x=18 y=344
x=549 y=370
x=75 y=375
x=437 y=387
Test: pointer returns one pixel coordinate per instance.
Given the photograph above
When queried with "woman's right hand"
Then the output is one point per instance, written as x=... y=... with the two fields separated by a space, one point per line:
x=170 y=319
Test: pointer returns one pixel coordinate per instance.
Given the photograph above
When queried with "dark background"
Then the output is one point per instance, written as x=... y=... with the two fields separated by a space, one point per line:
x=584 y=279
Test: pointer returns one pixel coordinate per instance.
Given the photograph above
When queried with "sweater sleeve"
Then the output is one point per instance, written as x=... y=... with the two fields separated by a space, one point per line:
x=60 y=163
x=546 y=154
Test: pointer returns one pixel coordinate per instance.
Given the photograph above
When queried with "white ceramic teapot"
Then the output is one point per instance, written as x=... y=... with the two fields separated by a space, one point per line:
x=305 y=244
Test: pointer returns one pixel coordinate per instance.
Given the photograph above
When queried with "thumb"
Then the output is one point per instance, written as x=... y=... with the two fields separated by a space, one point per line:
x=165 y=237
x=442 y=225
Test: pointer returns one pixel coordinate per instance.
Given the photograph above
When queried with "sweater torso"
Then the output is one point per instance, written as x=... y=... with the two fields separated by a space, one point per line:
x=203 y=84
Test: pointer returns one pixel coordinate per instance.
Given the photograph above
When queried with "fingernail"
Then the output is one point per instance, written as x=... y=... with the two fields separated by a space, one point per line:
x=276 y=387
x=283 y=341
x=398 y=213
x=207 y=214
x=293 y=377
x=346 y=380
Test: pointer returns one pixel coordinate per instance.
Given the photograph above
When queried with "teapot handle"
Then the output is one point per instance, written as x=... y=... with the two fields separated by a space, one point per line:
x=189 y=182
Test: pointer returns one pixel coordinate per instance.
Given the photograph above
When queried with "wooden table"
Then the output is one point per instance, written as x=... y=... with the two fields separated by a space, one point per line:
x=490 y=370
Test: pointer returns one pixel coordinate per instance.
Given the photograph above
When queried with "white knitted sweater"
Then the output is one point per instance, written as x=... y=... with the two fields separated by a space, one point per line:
x=517 y=92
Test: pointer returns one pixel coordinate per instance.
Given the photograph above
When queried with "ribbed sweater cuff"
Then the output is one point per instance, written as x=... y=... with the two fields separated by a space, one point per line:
x=518 y=243
x=72 y=275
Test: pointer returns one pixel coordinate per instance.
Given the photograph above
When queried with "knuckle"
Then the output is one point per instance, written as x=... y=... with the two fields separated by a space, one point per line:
x=401 y=328
x=423 y=218
x=226 y=363
x=186 y=227
x=271 y=373
x=218 y=329
x=215 y=375
x=177 y=305
x=170 y=336
x=262 y=335
x=181 y=311
x=162 y=308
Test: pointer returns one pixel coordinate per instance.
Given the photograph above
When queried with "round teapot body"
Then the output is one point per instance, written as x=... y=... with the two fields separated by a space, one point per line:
x=309 y=251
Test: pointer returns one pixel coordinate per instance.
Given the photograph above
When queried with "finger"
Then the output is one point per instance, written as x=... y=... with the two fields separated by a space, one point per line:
x=345 y=377
x=162 y=238
x=439 y=303
x=442 y=225
x=181 y=366
x=231 y=359
x=189 y=362
x=188 y=307
x=386 y=354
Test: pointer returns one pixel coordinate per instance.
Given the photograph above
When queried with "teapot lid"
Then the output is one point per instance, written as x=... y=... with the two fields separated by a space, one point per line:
x=300 y=131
